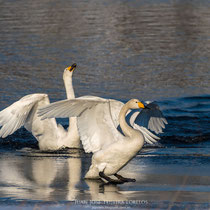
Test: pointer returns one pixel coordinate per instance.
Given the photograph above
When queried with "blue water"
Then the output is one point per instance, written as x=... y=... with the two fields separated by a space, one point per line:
x=151 y=50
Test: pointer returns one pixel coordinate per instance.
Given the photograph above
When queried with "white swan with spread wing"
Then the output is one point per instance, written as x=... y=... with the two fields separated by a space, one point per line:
x=97 y=121
x=49 y=134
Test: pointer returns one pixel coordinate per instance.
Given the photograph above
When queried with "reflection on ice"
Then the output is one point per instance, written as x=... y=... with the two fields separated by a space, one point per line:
x=37 y=178
x=34 y=175
x=43 y=171
x=74 y=177
x=103 y=192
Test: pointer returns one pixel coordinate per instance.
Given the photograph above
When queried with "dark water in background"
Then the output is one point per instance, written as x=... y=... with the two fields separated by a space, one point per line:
x=124 y=49
x=151 y=50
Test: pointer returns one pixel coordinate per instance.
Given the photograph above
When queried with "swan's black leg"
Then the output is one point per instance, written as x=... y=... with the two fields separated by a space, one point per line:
x=110 y=180
x=124 y=179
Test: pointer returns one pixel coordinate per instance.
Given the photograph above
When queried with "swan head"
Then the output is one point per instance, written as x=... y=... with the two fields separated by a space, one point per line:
x=72 y=67
x=67 y=74
x=135 y=104
x=67 y=79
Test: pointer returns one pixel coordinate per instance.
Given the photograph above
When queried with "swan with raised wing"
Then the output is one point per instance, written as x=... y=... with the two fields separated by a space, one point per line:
x=97 y=126
x=49 y=134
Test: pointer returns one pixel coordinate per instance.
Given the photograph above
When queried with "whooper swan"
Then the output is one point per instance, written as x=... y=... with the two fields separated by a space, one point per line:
x=49 y=134
x=97 y=125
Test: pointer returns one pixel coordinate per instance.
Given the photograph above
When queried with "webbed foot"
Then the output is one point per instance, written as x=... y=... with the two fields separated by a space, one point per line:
x=110 y=180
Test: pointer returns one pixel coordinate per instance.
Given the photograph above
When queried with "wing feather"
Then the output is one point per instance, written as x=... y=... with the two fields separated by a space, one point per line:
x=115 y=107
x=15 y=116
x=67 y=108
x=148 y=136
x=151 y=118
x=97 y=128
x=95 y=118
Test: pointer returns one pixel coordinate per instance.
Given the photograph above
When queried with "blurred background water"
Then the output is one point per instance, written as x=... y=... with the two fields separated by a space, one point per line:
x=151 y=50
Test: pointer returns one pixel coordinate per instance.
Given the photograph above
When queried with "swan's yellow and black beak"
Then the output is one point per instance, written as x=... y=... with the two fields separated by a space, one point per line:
x=141 y=105
x=72 y=67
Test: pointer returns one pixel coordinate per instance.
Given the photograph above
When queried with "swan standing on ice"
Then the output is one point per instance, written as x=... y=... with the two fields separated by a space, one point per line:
x=49 y=134
x=97 y=121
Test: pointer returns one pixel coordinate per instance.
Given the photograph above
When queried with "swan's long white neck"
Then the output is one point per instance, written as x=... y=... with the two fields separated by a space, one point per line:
x=67 y=79
x=126 y=129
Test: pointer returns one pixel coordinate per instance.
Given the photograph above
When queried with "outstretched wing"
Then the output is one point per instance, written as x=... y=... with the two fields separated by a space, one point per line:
x=68 y=108
x=16 y=115
x=94 y=115
x=149 y=137
x=151 y=118
x=94 y=119
x=97 y=126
